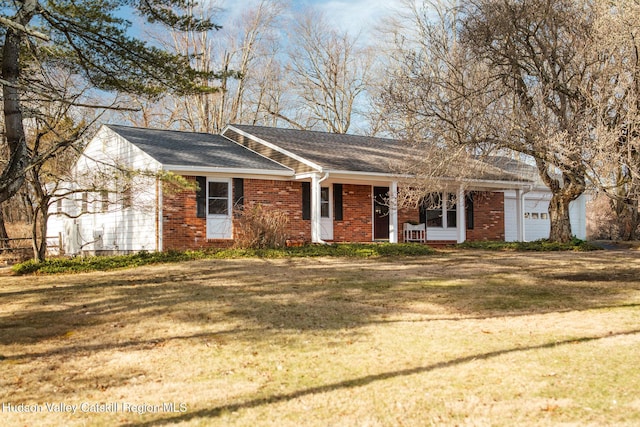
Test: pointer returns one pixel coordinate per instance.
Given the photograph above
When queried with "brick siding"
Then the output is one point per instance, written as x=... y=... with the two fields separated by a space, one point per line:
x=488 y=216
x=357 y=209
x=285 y=196
x=181 y=229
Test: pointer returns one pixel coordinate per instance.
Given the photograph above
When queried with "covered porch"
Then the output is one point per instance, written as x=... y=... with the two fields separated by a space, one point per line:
x=347 y=208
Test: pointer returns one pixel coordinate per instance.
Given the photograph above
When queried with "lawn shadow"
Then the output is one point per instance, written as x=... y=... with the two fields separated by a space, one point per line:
x=363 y=381
x=63 y=320
x=273 y=296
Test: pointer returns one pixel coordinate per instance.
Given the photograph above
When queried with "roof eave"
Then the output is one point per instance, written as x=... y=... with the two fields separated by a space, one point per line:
x=499 y=184
x=377 y=176
x=230 y=171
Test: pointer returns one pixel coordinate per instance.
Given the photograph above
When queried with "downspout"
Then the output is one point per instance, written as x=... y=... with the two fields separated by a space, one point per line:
x=461 y=216
x=315 y=207
x=394 y=232
x=520 y=228
x=158 y=216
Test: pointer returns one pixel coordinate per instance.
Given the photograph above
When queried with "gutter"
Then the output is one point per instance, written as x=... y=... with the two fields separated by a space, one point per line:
x=230 y=171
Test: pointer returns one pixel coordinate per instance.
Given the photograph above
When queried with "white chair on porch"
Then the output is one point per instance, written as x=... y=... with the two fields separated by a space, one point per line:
x=415 y=232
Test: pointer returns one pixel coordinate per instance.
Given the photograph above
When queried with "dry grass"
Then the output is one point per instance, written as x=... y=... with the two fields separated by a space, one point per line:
x=463 y=338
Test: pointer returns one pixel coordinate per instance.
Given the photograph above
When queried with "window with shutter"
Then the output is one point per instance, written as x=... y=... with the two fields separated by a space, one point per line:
x=201 y=197
x=306 y=200
x=337 y=202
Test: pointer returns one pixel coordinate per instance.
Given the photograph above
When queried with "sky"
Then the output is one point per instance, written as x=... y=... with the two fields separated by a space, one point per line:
x=354 y=15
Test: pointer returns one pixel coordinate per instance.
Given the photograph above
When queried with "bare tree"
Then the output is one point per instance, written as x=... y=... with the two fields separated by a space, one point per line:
x=616 y=170
x=315 y=80
x=198 y=112
x=256 y=49
x=44 y=178
x=267 y=96
x=242 y=51
x=329 y=71
x=56 y=137
x=506 y=74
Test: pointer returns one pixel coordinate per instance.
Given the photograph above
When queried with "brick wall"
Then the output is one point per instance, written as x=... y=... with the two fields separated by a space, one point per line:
x=183 y=230
x=285 y=196
x=357 y=223
x=488 y=213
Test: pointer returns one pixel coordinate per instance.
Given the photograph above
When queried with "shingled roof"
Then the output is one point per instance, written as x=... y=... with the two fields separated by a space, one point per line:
x=260 y=149
x=194 y=150
x=332 y=152
x=335 y=152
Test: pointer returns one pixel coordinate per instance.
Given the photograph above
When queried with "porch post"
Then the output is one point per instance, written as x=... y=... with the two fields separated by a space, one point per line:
x=393 y=212
x=461 y=216
x=520 y=235
x=315 y=209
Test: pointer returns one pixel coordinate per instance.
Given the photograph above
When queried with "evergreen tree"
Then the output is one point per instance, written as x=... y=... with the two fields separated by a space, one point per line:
x=89 y=40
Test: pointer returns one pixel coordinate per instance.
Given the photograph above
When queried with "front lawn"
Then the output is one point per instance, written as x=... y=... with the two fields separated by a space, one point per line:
x=104 y=263
x=457 y=338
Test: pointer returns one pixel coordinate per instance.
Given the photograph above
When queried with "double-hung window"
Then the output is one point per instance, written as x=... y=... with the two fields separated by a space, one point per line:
x=218 y=198
x=440 y=210
x=432 y=208
x=324 y=202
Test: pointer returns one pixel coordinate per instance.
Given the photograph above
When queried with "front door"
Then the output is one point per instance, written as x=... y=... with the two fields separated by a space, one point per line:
x=380 y=213
x=218 y=209
x=326 y=217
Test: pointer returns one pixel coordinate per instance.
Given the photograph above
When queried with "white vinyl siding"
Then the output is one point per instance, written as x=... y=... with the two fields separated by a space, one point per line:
x=126 y=221
x=536 y=216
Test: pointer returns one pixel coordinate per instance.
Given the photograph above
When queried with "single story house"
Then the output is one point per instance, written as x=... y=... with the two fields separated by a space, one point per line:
x=332 y=188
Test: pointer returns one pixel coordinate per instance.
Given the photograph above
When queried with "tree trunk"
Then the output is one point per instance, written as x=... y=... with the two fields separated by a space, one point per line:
x=4 y=237
x=559 y=218
x=39 y=233
x=41 y=253
x=564 y=190
x=628 y=217
x=13 y=175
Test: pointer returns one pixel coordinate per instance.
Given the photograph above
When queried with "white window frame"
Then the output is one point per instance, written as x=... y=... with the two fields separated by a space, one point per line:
x=325 y=203
x=445 y=198
x=228 y=198
x=219 y=226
